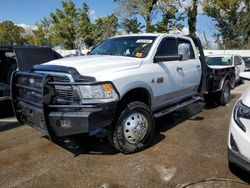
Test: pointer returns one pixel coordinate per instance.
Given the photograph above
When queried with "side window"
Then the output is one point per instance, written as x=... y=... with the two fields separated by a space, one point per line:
x=185 y=49
x=167 y=47
x=240 y=60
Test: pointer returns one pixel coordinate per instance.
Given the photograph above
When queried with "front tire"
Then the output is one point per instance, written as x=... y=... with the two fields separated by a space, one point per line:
x=134 y=129
x=224 y=96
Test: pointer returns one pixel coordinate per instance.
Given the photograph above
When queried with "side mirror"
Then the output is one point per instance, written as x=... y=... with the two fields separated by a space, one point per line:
x=245 y=75
x=184 y=50
x=177 y=57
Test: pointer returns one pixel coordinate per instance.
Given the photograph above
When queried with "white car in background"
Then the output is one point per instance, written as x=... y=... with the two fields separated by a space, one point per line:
x=223 y=61
x=239 y=131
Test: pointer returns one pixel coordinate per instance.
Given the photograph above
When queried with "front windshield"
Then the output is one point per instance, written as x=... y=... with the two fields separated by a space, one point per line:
x=132 y=46
x=247 y=61
x=219 y=60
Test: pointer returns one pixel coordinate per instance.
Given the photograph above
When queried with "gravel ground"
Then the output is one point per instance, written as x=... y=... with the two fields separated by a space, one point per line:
x=189 y=150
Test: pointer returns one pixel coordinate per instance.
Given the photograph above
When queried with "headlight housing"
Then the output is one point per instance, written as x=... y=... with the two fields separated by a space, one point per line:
x=241 y=111
x=97 y=93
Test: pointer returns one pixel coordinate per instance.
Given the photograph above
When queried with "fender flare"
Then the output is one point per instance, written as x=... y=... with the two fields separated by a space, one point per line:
x=137 y=85
x=227 y=76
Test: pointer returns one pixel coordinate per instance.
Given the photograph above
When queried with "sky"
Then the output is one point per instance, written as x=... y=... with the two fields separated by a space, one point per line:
x=32 y=11
x=29 y=12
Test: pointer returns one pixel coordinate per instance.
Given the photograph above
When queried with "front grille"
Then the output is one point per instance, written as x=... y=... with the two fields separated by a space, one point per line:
x=64 y=93
x=61 y=79
x=30 y=95
x=29 y=88
x=30 y=80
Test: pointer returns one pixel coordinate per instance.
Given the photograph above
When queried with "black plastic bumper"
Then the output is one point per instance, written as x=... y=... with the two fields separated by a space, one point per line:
x=239 y=160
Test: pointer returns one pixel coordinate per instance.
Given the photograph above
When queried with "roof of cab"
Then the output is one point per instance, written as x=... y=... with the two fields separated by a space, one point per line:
x=150 y=34
x=221 y=55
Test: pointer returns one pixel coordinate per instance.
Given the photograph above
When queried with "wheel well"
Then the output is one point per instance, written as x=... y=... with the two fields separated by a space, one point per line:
x=138 y=94
x=228 y=78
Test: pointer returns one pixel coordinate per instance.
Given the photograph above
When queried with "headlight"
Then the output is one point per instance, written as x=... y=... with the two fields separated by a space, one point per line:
x=98 y=93
x=241 y=111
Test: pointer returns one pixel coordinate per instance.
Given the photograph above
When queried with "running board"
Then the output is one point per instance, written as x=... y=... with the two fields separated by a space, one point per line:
x=178 y=106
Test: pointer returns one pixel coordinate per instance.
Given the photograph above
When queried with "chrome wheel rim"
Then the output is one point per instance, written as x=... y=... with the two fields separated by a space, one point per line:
x=135 y=128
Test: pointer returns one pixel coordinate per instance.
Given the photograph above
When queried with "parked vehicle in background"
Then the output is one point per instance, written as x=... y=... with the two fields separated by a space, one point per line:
x=220 y=80
x=239 y=131
x=21 y=58
x=247 y=63
x=226 y=61
x=71 y=53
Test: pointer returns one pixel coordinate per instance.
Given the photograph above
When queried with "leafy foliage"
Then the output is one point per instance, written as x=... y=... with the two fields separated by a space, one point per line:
x=11 y=34
x=143 y=8
x=40 y=36
x=131 y=25
x=192 y=12
x=171 y=18
x=105 y=28
x=71 y=27
x=85 y=28
x=231 y=20
x=65 y=24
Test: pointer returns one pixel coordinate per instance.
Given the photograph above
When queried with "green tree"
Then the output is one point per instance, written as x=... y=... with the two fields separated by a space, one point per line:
x=171 y=18
x=11 y=34
x=85 y=28
x=41 y=35
x=71 y=27
x=104 y=28
x=64 y=25
x=131 y=25
x=246 y=24
x=143 y=8
x=192 y=12
x=229 y=17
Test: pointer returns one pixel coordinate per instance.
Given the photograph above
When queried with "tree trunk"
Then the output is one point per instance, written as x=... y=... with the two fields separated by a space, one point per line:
x=192 y=18
x=149 y=6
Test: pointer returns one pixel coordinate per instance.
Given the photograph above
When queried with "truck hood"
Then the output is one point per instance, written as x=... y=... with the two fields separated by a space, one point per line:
x=28 y=56
x=95 y=65
x=220 y=66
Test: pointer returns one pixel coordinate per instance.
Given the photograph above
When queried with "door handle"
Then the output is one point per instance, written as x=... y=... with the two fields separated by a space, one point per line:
x=179 y=69
x=198 y=66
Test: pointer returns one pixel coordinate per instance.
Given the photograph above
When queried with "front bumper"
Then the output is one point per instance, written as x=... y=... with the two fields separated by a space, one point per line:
x=34 y=96
x=67 y=120
x=81 y=119
x=239 y=160
x=239 y=145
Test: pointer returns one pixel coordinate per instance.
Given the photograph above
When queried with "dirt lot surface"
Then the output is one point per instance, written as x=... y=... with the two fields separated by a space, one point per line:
x=189 y=150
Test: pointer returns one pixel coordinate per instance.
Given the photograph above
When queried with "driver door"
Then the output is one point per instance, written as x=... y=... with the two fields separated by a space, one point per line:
x=171 y=89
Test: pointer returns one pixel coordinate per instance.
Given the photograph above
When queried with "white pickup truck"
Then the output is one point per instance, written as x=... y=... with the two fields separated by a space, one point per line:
x=123 y=84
